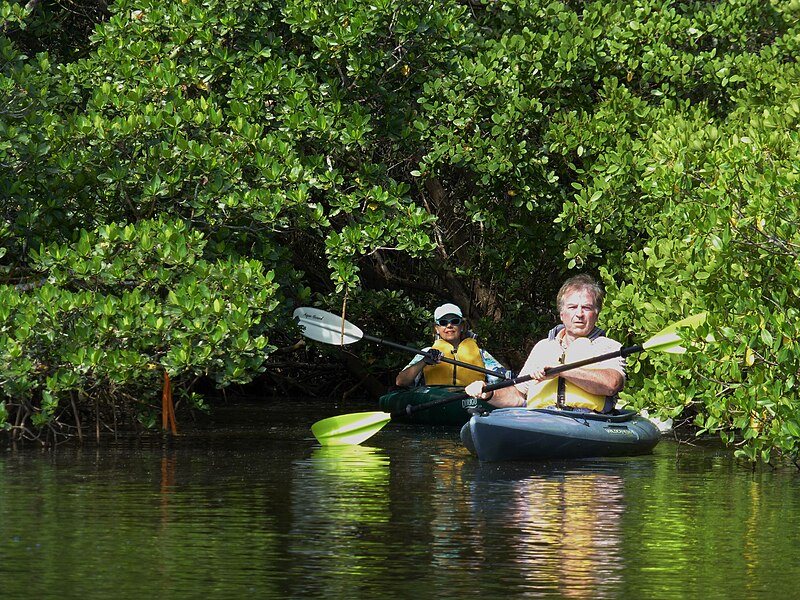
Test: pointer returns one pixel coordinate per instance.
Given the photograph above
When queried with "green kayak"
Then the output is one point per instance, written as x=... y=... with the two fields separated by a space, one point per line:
x=446 y=413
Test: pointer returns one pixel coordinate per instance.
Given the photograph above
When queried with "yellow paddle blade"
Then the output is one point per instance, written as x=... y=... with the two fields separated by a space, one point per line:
x=668 y=340
x=352 y=429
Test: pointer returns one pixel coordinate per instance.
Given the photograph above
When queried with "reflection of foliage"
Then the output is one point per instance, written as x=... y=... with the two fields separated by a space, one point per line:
x=397 y=156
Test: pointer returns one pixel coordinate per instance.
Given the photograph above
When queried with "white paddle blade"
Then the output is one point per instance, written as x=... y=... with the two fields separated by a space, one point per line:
x=326 y=327
x=668 y=340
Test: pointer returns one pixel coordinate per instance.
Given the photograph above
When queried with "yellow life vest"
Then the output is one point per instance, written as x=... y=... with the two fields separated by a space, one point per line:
x=449 y=374
x=545 y=393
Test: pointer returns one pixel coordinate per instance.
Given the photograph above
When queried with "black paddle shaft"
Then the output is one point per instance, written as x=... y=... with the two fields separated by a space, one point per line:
x=443 y=359
x=623 y=352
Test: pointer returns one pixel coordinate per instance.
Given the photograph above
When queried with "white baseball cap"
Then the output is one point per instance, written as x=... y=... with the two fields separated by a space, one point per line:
x=446 y=309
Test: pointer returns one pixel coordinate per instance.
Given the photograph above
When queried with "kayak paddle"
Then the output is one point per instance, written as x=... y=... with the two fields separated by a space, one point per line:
x=354 y=428
x=328 y=328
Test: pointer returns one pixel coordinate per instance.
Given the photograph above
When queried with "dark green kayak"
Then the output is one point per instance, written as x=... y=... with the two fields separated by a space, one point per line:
x=449 y=413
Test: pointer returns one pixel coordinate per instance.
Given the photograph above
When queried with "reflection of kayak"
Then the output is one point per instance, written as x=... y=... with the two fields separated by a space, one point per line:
x=522 y=434
x=451 y=413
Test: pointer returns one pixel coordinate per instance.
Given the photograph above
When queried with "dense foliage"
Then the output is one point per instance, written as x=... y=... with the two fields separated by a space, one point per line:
x=176 y=180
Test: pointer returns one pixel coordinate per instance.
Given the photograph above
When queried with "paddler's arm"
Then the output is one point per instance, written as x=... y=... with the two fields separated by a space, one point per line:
x=504 y=397
x=601 y=382
x=512 y=396
x=408 y=376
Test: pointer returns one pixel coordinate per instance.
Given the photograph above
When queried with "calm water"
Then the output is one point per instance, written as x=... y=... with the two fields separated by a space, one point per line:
x=255 y=508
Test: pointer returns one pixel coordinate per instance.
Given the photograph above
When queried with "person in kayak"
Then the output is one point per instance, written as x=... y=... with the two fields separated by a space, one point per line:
x=453 y=341
x=590 y=388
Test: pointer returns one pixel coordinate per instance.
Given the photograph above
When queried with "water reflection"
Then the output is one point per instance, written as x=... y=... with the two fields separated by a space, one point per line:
x=264 y=512
x=340 y=498
x=341 y=477
x=563 y=522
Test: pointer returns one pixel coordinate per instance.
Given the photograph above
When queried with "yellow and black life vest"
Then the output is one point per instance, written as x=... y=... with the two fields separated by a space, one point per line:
x=560 y=392
x=449 y=374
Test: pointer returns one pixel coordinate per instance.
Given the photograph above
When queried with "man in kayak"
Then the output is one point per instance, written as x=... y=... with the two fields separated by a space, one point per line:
x=452 y=341
x=590 y=388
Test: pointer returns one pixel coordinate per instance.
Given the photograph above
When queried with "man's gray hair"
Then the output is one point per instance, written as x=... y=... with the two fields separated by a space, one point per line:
x=582 y=281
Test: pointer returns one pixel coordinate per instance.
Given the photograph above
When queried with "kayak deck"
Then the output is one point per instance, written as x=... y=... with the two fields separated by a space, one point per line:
x=541 y=434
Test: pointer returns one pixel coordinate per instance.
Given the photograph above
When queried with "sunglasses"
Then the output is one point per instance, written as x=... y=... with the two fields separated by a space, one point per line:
x=453 y=321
